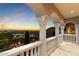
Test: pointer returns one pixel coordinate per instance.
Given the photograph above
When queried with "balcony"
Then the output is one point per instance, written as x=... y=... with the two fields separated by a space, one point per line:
x=54 y=46
x=60 y=44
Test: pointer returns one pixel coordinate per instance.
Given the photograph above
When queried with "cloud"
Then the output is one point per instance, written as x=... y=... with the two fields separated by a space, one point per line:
x=5 y=20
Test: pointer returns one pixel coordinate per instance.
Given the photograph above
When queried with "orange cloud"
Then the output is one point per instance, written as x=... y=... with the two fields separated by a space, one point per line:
x=14 y=27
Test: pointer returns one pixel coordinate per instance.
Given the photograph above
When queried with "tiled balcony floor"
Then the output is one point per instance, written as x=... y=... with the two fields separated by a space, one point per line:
x=67 y=49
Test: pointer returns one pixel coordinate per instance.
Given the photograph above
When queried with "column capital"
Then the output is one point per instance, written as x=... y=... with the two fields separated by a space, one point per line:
x=43 y=21
x=44 y=17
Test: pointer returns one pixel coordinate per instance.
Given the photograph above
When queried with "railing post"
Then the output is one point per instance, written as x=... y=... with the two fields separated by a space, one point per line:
x=42 y=22
x=56 y=29
x=62 y=29
x=77 y=33
x=57 y=32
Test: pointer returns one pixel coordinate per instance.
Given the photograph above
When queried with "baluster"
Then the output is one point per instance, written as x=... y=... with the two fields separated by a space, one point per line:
x=38 y=50
x=27 y=53
x=24 y=53
x=35 y=52
x=65 y=37
x=31 y=52
x=70 y=38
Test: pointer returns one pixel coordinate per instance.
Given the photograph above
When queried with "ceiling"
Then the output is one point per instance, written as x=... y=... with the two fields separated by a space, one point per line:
x=68 y=9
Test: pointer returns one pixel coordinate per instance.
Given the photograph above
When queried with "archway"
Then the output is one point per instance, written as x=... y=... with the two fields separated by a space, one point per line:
x=69 y=28
x=70 y=31
x=50 y=28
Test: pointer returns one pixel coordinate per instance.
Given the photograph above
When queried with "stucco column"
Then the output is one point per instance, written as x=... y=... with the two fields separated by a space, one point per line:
x=42 y=22
x=57 y=29
x=57 y=33
x=77 y=33
x=62 y=29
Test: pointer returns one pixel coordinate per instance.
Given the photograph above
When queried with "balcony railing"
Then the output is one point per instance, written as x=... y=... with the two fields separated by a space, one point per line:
x=34 y=49
x=52 y=44
x=70 y=37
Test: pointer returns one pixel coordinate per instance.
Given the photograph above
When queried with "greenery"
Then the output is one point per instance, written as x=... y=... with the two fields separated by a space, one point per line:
x=6 y=38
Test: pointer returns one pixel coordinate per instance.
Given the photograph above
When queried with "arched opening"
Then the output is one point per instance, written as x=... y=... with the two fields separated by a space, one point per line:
x=50 y=28
x=18 y=25
x=69 y=30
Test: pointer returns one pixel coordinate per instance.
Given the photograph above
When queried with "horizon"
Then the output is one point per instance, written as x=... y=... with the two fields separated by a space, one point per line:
x=18 y=16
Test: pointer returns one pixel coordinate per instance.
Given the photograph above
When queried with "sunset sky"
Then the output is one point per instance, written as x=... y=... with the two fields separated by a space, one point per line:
x=18 y=16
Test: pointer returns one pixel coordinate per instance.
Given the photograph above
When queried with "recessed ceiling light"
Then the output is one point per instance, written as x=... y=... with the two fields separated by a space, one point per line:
x=71 y=11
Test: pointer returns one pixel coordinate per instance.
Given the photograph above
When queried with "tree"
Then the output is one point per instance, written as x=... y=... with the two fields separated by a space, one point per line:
x=6 y=38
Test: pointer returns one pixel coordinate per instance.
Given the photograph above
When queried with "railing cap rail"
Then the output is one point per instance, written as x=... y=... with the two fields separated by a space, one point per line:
x=15 y=51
